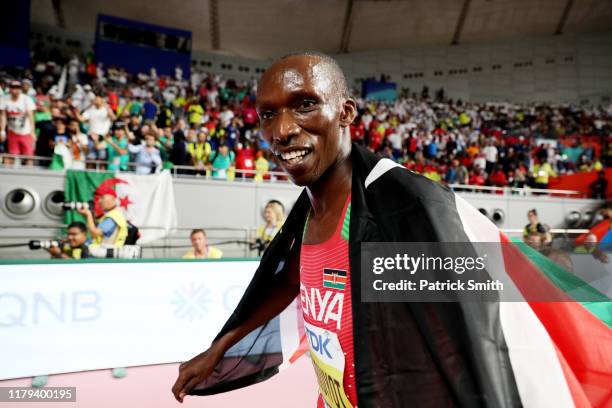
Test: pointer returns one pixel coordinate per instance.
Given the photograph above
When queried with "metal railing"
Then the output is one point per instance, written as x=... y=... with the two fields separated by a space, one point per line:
x=20 y=161
x=233 y=174
x=521 y=191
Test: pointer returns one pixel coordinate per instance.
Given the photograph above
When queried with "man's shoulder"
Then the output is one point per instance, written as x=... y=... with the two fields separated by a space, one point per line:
x=390 y=178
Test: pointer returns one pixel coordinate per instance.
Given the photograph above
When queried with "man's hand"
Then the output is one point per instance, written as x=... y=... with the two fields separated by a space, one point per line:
x=55 y=251
x=84 y=212
x=196 y=370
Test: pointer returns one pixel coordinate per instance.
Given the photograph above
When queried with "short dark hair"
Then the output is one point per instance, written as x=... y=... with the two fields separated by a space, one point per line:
x=78 y=224
x=197 y=230
x=532 y=211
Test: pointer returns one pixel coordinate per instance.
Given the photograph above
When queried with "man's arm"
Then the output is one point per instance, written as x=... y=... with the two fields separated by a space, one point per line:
x=275 y=301
x=91 y=225
x=32 y=124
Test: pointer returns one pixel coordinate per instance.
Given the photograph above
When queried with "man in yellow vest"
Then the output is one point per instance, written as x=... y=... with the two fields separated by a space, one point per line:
x=112 y=228
x=542 y=171
x=201 y=249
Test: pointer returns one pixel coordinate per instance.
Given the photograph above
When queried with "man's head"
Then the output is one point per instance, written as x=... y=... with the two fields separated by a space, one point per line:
x=305 y=110
x=108 y=199
x=98 y=102
x=73 y=127
x=77 y=234
x=15 y=88
x=199 y=240
x=149 y=139
x=202 y=135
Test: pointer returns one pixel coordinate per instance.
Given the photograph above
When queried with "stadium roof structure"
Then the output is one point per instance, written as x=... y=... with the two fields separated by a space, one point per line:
x=264 y=29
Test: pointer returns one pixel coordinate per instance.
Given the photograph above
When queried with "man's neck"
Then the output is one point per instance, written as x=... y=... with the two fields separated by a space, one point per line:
x=201 y=251
x=332 y=187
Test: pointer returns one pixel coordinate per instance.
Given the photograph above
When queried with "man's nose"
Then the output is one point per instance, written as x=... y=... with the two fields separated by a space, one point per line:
x=285 y=127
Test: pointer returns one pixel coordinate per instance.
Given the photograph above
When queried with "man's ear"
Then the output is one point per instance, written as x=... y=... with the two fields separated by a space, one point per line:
x=349 y=112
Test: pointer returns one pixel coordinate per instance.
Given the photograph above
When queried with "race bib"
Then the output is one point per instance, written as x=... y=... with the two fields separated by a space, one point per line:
x=328 y=361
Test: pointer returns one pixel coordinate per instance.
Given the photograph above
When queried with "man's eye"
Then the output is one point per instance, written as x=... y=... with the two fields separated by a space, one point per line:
x=307 y=104
x=266 y=115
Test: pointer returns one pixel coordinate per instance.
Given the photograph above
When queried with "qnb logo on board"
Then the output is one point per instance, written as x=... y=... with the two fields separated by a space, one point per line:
x=44 y=309
x=191 y=301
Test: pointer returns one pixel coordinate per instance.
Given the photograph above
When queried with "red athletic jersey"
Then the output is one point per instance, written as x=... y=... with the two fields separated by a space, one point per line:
x=325 y=293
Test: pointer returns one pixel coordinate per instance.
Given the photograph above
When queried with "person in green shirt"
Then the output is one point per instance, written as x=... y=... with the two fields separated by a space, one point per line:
x=221 y=162
x=117 y=147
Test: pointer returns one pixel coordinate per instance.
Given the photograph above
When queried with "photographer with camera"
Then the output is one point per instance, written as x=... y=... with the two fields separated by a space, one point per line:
x=75 y=246
x=112 y=227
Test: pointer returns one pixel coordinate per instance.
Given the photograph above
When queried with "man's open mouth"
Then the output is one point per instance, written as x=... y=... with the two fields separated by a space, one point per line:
x=294 y=156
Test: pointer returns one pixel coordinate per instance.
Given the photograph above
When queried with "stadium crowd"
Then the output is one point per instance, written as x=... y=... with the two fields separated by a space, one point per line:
x=88 y=116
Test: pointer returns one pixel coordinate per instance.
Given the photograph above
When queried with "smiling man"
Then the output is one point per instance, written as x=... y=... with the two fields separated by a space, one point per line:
x=364 y=354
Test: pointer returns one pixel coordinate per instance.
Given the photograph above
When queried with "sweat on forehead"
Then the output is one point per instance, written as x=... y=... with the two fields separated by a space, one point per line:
x=322 y=69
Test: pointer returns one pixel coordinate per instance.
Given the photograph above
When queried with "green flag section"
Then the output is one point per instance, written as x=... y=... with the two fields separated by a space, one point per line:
x=601 y=306
x=80 y=186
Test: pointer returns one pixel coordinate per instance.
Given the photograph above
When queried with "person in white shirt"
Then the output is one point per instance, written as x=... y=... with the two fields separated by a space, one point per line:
x=17 y=122
x=490 y=152
x=226 y=117
x=100 y=117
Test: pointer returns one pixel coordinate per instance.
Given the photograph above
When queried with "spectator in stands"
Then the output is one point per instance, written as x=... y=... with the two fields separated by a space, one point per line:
x=149 y=110
x=200 y=151
x=148 y=159
x=200 y=248
x=222 y=162
x=498 y=177
x=542 y=171
x=112 y=227
x=599 y=186
x=17 y=122
x=261 y=166
x=274 y=216
x=75 y=246
x=117 y=145
x=536 y=227
x=423 y=133
x=79 y=145
x=99 y=117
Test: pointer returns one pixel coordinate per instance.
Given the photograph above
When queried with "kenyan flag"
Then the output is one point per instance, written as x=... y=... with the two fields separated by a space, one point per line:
x=334 y=278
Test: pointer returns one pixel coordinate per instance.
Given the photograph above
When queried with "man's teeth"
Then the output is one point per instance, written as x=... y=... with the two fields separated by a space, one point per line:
x=296 y=154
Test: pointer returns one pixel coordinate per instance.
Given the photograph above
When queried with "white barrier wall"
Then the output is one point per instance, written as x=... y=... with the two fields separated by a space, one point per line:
x=60 y=317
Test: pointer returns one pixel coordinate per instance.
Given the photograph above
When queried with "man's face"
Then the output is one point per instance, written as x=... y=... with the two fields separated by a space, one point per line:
x=73 y=127
x=149 y=140
x=532 y=218
x=108 y=202
x=76 y=237
x=303 y=116
x=198 y=241
x=98 y=101
x=15 y=91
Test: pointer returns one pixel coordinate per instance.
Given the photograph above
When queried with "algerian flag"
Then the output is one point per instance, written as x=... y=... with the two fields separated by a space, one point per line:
x=147 y=201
